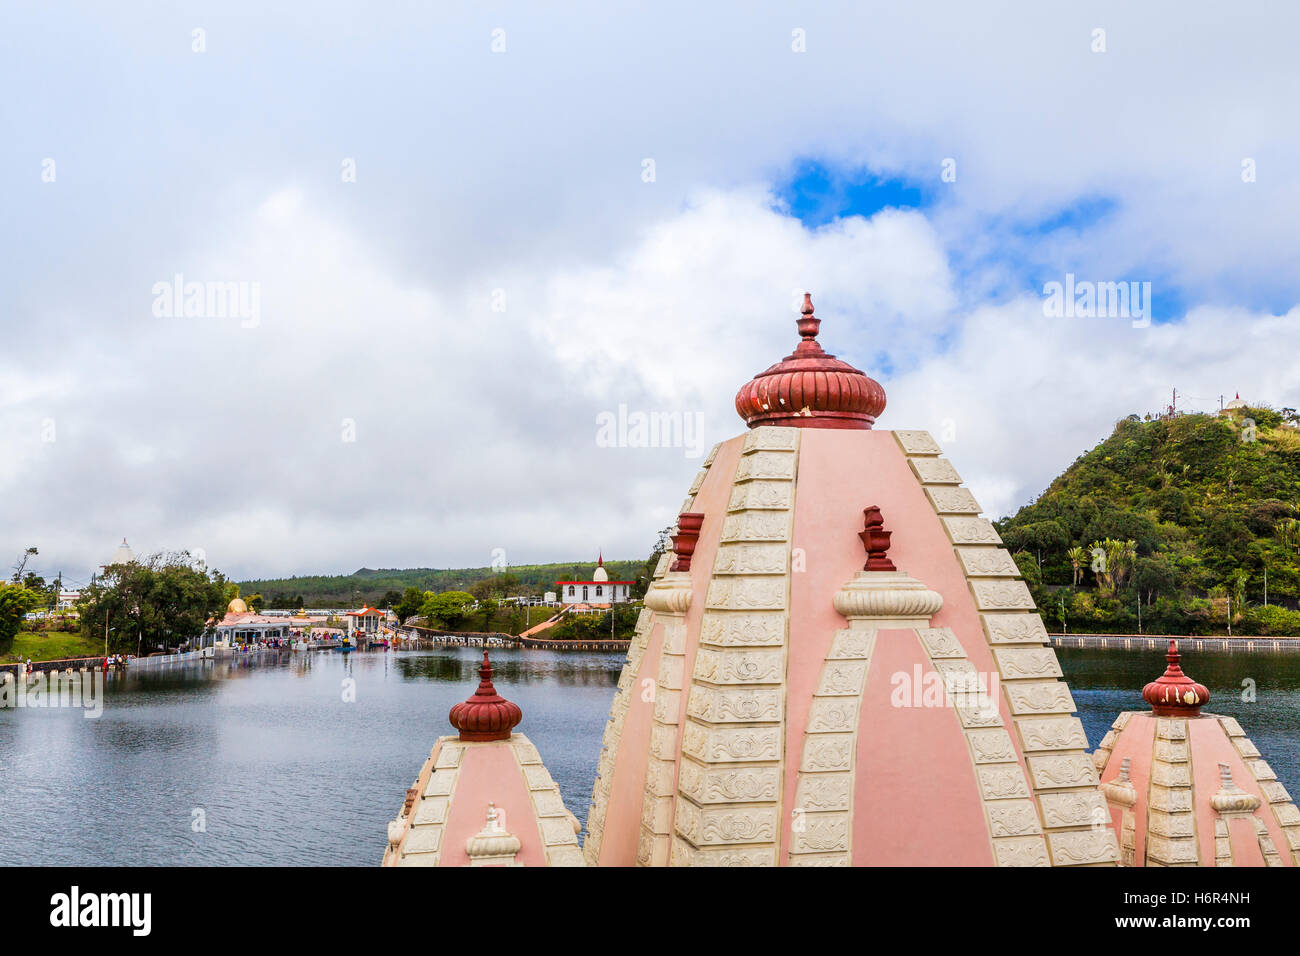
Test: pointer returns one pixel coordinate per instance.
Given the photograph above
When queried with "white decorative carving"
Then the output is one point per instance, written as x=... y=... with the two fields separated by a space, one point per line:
x=761 y=496
x=771 y=438
x=740 y=666
x=765 y=464
x=747 y=593
x=1015 y=629
x=917 y=443
x=751 y=559
x=1017 y=663
x=1052 y=733
x=886 y=595
x=941 y=642
x=970 y=531
x=1053 y=772
x=984 y=562
x=1001 y=595
x=742 y=630
x=1039 y=697
x=756 y=526
x=952 y=500
x=935 y=471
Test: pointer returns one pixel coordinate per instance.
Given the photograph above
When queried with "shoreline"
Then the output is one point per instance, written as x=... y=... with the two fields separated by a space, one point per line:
x=1250 y=643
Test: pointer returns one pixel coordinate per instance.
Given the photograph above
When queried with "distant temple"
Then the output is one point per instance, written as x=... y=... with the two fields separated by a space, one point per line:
x=845 y=668
x=599 y=590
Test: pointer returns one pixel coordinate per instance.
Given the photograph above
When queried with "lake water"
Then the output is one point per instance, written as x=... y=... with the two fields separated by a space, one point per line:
x=280 y=769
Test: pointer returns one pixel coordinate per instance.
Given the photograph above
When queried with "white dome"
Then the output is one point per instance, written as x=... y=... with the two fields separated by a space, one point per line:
x=123 y=554
x=600 y=574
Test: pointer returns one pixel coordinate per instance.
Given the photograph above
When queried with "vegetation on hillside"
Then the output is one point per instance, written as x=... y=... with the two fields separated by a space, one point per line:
x=1175 y=520
x=384 y=588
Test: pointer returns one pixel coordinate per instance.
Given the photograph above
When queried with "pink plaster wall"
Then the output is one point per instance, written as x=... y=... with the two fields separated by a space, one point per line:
x=916 y=801
x=489 y=773
x=1211 y=746
x=840 y=474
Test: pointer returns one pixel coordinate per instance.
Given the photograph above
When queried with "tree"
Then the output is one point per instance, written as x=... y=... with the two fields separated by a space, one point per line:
x=16 y=602
x=1040 y=536
x=1154 y=575
x=1077 y=557
x=486 y=609
x=254 y=602
x=152 y=604
x=22 y=564
x=391 y=598
x=447 y=611
x=410 y=604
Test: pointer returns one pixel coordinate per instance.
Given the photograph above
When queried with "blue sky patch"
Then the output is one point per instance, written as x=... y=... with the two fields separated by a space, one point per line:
x=816 y=193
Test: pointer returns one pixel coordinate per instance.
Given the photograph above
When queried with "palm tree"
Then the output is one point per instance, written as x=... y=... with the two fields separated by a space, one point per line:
x=1237 y=582
x=1101 y=564
x=1077 y=556
x=1121 y=559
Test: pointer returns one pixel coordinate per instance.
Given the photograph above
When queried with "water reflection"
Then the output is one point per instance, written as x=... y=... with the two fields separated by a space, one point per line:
x=286 y=771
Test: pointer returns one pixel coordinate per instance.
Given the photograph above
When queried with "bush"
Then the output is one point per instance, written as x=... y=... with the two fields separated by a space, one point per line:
x=1271 y=620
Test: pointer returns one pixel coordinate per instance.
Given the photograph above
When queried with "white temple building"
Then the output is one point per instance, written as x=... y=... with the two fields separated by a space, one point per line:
x=599 y=590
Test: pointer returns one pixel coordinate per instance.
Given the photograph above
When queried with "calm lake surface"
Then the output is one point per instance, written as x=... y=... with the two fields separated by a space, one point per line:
x=284 y=771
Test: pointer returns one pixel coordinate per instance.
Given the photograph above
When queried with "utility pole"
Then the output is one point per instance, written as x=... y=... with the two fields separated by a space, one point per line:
x=1139 y=614
x=1265 y=585
x=1230 y=614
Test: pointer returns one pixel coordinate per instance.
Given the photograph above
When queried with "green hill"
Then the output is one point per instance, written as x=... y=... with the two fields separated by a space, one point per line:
x=1184 y=515
x=370 y=586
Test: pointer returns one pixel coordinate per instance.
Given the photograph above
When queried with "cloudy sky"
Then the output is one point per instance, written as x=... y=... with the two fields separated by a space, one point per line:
x=466 y=230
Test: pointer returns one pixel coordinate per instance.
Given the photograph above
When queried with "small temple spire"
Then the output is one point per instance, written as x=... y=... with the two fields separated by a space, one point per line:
x=811 y=388
x=876 y=540
x=1173 y=693
x=486 y=715
x=688 y=532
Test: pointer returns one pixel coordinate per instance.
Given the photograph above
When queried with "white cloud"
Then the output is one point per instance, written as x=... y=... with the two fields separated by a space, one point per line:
x=521 y=172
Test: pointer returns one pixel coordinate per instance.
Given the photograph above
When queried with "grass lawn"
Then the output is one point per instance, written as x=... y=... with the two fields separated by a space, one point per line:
x=50 y=646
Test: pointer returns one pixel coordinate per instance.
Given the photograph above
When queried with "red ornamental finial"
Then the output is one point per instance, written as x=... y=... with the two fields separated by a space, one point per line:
x=1174 y=694
x=600 y=559
x=487 y=715
x=810 y=388
x=688 y=532
x=876 y=540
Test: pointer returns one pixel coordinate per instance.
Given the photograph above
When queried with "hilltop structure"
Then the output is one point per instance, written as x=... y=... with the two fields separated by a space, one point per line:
x=837 y=664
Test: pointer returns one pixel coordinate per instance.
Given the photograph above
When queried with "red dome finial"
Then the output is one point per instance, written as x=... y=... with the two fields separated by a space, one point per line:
x=487 y=715
x=1174 y=694
x=810 y=388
